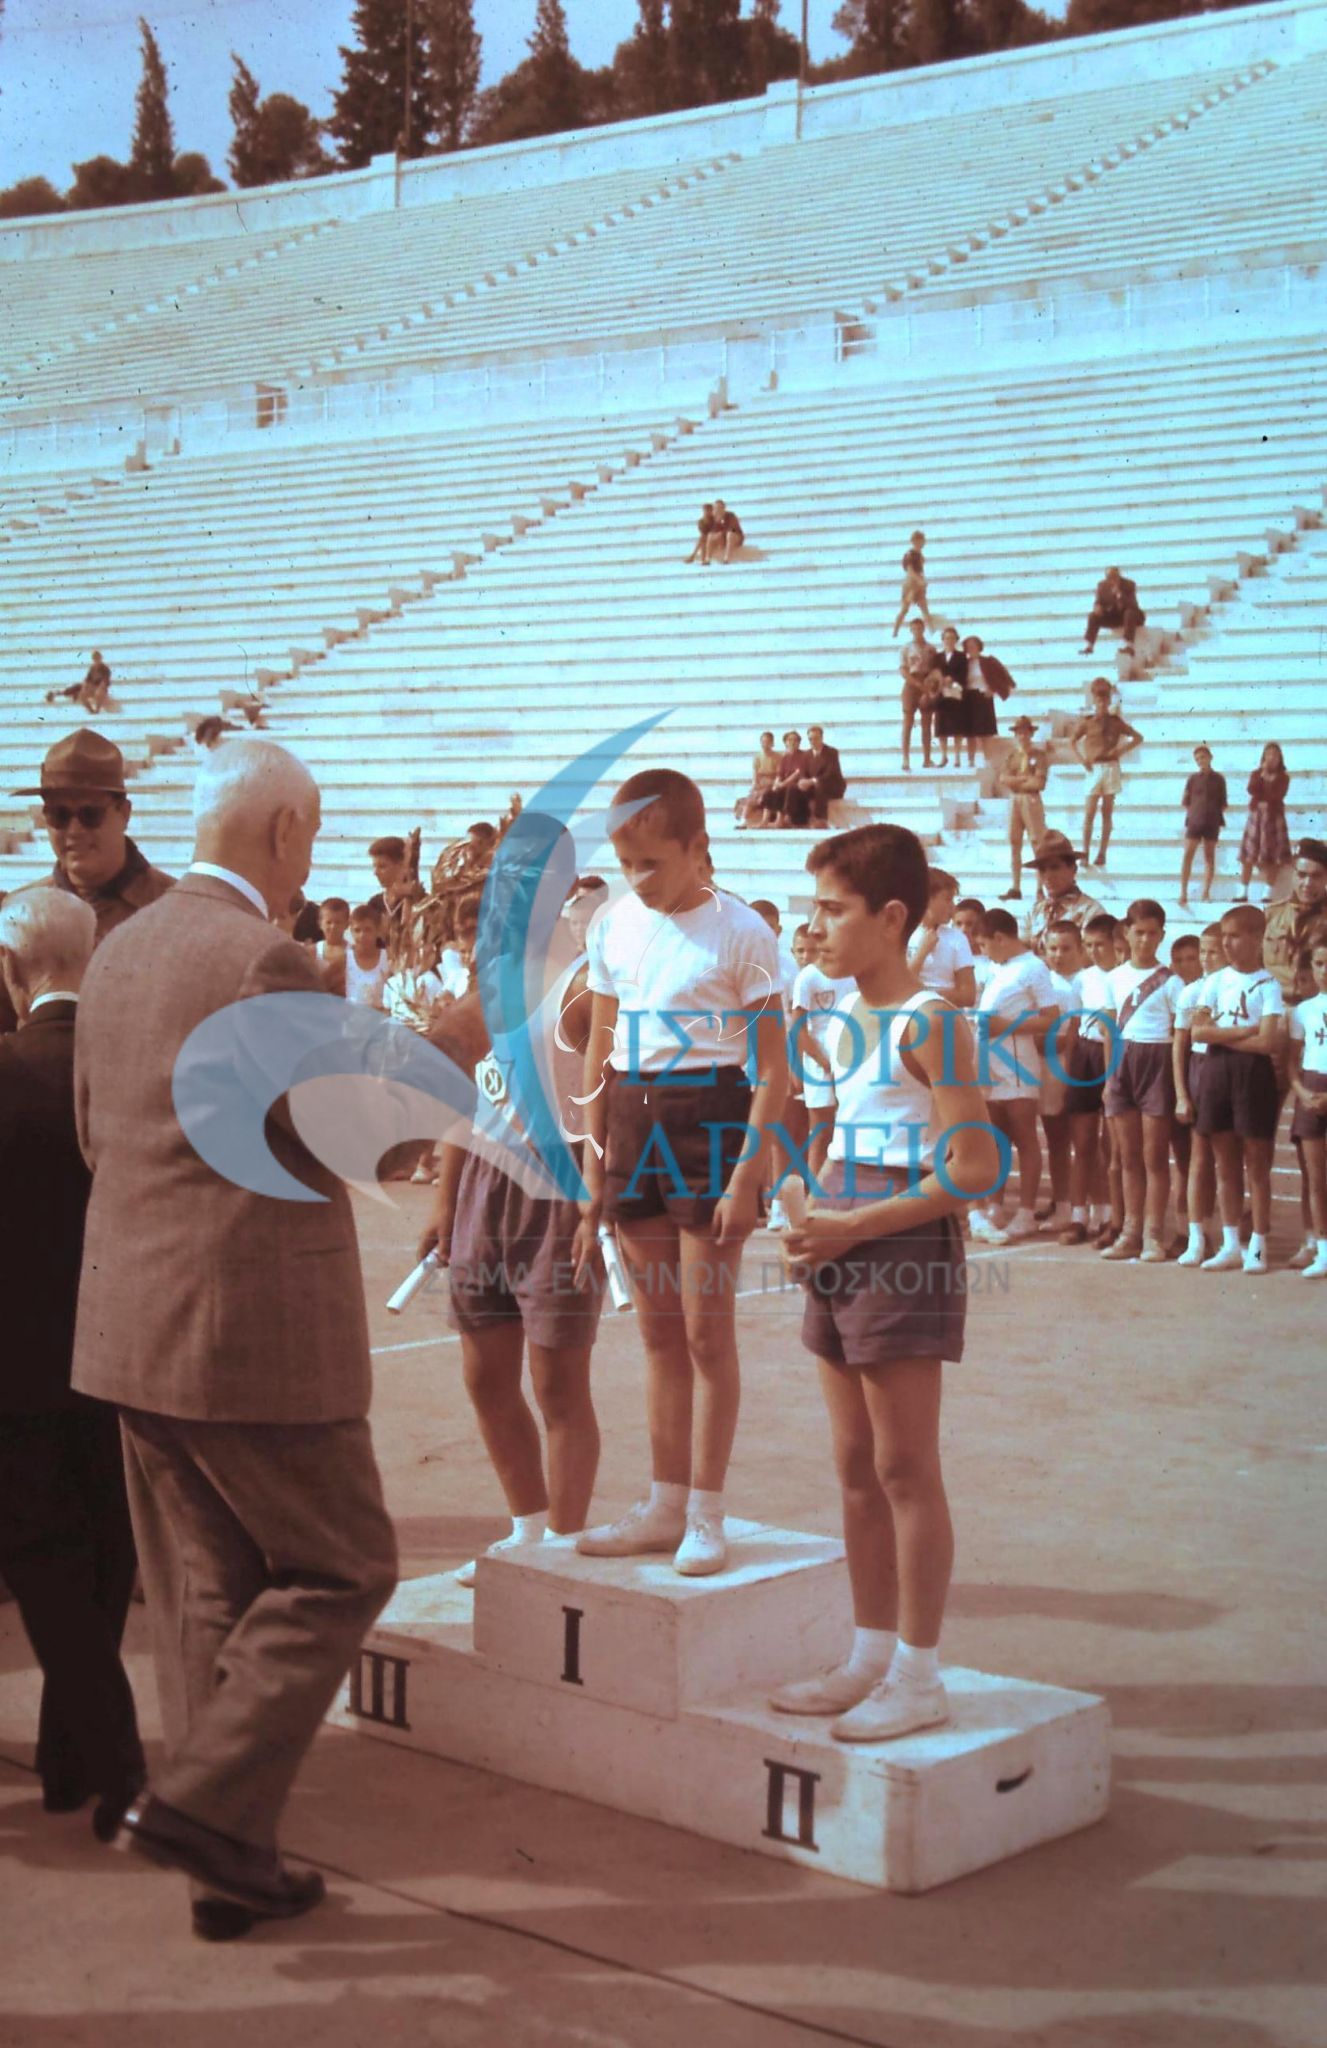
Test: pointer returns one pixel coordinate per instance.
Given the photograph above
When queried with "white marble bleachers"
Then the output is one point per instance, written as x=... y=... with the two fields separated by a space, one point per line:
x=332 y=292
x=1247 y=186
x=1175 y=465
x=779 y=236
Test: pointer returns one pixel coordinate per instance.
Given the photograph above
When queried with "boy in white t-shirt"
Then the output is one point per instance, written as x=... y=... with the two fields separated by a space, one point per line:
x=686 y=989
x=1242 y=1023
x=366 y=963
x=1016 y=1010
x=1096 y=1211
x=938 y=952
x=1140 y=1093
x=970 y=919
x=819 y=1001
x=1189 y=1061
x=1062 y=950
x=330 y=951
x=1308 y=1083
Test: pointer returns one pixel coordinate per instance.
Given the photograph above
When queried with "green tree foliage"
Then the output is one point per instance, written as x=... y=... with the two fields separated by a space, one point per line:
x=547 y=93
x=368 y=117
x=640 y=65
x=191 y=175
x=152 y=155
x=707 y=49
x=275 y=139
x=30 y=196
x=454 y=50
x=103 y=181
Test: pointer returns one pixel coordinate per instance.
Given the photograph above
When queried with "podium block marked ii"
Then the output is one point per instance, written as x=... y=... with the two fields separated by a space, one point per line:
x=1019 y=1763
x=632 y=1632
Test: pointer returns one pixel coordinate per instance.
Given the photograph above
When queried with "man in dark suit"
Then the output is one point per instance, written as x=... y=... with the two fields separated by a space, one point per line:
x=66 y=1545
x=242 y=1371
x=821 y=782
x=1116 y=605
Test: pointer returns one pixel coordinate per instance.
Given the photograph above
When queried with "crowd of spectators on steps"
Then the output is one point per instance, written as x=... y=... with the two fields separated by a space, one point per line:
x=952 y=691
x=794 y=788
x=719 y=534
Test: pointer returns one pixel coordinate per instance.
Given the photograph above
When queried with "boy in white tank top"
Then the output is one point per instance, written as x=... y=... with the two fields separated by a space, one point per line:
x=882 y=1262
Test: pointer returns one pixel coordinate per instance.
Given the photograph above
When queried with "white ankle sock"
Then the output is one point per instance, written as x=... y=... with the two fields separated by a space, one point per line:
x=708 y=1504
x=663 y=1494
x=914 y=1667
x=1320 y=1246
x=872 y=1652
x=1197 y=1241
x=1079 y=1215
x=1257 y=1244
x=1230 y=1237
x=529 y=1528
x=565 y=1537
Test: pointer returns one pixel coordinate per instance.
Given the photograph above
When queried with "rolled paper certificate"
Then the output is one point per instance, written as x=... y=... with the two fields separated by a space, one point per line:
x=793 y=1196
x=618 y=1289
x=425 y=1272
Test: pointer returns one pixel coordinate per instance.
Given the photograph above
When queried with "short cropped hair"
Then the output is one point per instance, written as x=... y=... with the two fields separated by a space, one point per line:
x=1102 y=922
x=1304 y=957
x=999 y=923
x=801 y=931
x=364 y=913
x=938 y=881
x=387 y=849
x=880 y=863
x=669 y=801
x=1144 y=907
x=1244 y=917
x=763 y=907
x=1066 y=928
x=1211 y=931
x=1182 y=945
x=335 y=903
x=970 y=903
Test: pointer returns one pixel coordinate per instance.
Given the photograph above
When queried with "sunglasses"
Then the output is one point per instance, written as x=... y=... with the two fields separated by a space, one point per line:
x=61 y=816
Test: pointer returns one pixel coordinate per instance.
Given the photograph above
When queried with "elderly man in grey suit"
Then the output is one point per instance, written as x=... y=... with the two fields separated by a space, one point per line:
x=229 y=1329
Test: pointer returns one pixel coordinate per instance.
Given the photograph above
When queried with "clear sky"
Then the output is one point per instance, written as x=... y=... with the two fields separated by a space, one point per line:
x=69 y=68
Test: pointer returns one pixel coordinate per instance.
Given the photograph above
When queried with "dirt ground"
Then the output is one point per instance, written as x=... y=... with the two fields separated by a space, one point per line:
x=1135 y=1458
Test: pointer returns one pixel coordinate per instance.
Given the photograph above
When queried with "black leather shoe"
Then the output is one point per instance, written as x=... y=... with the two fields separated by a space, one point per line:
x=251 y=1877
x=221 y=1920
x=112 y=1806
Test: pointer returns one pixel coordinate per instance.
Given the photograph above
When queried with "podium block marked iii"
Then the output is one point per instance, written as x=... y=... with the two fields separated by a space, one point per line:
x=1018 y=1764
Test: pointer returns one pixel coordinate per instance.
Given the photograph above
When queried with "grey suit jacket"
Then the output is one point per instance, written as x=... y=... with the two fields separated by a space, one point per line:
x=200 y=1299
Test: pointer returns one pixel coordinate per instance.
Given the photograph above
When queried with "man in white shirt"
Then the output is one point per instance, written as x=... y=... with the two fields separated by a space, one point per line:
x=1016 y=1010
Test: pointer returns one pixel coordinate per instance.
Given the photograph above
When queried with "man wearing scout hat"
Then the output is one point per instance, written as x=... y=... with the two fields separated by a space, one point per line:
x=1059 y=895
x=1300 y=919
x=86 y=813
x=1022 y=776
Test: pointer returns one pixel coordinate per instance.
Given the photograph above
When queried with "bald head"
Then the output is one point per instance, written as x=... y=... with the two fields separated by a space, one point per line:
x=256 y=812
x=46 y=941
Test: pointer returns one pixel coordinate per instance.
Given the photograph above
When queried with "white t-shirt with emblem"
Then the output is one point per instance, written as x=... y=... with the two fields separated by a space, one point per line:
x=1192 y=998
x=1307 y=1025
x=1236 y=999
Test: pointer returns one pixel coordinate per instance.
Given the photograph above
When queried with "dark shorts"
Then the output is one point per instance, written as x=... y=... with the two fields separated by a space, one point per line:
x=511 y=1262
x=903 y=1296
x=1086 y=1068
x=1306 y=1123
x=1239 y=1094
x=1144 y=1080
x=1193 y=1081
x=665 y=1153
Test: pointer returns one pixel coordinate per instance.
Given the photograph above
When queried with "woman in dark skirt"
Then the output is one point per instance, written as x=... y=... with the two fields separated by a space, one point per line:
x=1266 y=841
x=950 y=718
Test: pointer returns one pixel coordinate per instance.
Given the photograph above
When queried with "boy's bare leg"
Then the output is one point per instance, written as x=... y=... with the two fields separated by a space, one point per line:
x=561 y=1381
x=652 y=1253
x=1107 y=819
x=1127 y=1134
x=1258 y=1168
x=1084 y=1135
x=1202 y=1179
x=1181 y=1145
x=1313 y=1162
x=491 y=1364
x=1186 y=869
x=1056 y=1130
x=709 y=1291
x=818 y=1151
x=1019 y=1121
x=1209 y=865
x=1229 y=1177
x=868 y=1525
x=903 y=1401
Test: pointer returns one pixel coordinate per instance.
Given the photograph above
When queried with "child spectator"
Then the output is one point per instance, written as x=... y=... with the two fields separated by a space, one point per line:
x=970 y=919
x=1020 y=998
x=1308 y=1083
x=725 y=535
x=1204 y=815
x=1189 y=1061
x=1022 y=777
x=366 y=963
x=1140 y=1094
x=704 y=528
x=885 y=1285
x=919 y=668
x=1095 y=1209
x=950 y=723
x=783 y=790
x=1242 y=1022
x=1065 y=959
x=819 y=1003
x=1100 y=741
x=914 y=584
x=1265 y=844
x=330 y=951
x=939 y=954
x=677 y=953
x=764 y=768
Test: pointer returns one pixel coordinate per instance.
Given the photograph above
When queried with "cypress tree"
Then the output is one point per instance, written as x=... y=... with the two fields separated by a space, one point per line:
x=152 y=157
x=454 y=50
x=368 y=116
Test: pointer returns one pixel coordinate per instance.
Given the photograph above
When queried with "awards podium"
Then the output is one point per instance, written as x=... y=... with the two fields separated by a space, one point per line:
x=618 y=1681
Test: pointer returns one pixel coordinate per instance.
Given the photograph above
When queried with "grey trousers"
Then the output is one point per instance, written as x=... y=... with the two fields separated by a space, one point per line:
x=266 y=1554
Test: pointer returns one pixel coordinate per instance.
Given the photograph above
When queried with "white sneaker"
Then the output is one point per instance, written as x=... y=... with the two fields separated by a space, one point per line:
x=1318 y=1269
x=1023 y=1225
x=465 y=1573
x=703 y=1549
x=832 y=1692
x=982 y=1228
x=1228 y=1260
x=1196 y=1255
x=1255 y=1262
x=777 y=1218
x=641 y=1531
x=892 y=1707
x=1303 y=1259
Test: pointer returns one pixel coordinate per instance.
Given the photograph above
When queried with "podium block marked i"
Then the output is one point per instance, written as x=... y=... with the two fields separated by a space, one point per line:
x=1018 y=1764
x=632 y=1632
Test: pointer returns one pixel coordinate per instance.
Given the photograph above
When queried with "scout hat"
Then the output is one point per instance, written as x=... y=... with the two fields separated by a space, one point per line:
x=1024 y=724
x=84 y=764
x=1055 y=847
